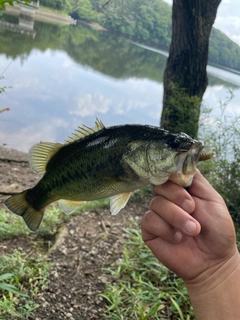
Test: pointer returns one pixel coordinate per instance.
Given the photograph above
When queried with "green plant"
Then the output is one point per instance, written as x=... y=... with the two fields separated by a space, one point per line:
x=221 y=134
x=11 y=2
x=7 y=287
x=24 y=277
x=181 y=110
x=140 y=287
x=2 y=89
x=11 y=224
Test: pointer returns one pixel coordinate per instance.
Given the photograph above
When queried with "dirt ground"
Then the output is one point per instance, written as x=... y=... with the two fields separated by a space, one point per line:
x=87 y=243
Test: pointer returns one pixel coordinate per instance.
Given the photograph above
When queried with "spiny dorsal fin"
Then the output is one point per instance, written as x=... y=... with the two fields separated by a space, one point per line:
x=118 y=202
x=40 y=154
x=85 y=131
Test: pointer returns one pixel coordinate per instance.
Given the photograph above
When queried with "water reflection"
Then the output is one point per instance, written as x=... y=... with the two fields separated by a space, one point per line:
x=69 y=75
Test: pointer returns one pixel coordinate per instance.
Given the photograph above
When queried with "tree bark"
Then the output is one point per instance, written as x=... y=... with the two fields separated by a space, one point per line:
x=185 y=76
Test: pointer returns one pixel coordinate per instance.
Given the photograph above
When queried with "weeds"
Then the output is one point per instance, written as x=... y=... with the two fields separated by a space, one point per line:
x=139 y=286
x=142 y=288
x=222 y=135
x=24 y=277
x=8 y=287
x=11 y=224
x=2 y=89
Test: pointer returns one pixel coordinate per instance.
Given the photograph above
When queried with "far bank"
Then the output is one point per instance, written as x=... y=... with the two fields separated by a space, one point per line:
x=41 y=13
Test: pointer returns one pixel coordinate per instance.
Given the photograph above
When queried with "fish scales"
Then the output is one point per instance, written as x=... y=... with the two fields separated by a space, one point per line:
x=69 y=168
x=104 y=162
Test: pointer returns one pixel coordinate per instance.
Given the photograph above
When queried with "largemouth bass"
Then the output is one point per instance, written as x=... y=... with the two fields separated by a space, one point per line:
x=104 y=162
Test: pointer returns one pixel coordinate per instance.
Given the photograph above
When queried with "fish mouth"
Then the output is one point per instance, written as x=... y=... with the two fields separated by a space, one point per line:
x=187 y=161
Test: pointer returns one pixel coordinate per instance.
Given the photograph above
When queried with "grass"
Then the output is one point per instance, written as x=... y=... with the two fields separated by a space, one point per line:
x=13 y=225
x=222 y=135
x=54 y=11
x=23 y=278
x=140 y=287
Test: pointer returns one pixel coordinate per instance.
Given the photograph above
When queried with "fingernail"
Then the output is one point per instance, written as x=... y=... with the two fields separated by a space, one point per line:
x=177 y=237
x=190 y=226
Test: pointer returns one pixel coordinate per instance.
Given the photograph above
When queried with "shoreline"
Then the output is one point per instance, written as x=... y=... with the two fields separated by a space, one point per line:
x=42 y=14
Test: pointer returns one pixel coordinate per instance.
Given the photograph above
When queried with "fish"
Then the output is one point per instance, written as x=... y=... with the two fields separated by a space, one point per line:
x=101 y=162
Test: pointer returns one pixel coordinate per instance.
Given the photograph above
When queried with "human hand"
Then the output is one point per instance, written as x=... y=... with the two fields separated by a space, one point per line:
x=191 y=232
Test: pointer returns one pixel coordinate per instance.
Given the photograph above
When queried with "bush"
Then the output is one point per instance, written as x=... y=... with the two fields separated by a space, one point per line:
x=222 y=136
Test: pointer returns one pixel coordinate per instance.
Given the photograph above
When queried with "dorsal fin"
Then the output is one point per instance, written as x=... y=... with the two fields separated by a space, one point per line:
x=40 y=154
x=85 y=131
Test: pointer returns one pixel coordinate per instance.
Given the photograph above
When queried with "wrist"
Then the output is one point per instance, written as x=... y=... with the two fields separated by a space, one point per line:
x=214 y=276
x=217 y=295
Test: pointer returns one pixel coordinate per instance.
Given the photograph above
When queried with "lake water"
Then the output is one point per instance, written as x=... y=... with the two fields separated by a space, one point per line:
x=64 y=76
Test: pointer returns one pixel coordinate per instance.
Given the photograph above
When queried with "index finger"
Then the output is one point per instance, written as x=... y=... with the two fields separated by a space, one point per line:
x=202 y=189
x=176 y=194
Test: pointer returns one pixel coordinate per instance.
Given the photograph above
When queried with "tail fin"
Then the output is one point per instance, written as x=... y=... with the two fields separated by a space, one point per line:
x=19 y=205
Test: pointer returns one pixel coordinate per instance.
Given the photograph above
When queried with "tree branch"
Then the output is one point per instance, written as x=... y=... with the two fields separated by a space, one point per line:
x=13 y=160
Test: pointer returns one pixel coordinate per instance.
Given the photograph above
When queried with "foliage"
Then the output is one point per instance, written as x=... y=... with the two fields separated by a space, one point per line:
x=2 y=89
x=222 y=135
x=5 y=286
x=151 y=21
x=148 y=21
x=238 y=238
x=80 y=43
x=21 y=273
x=223 y=51
x=82 y=10
x=11 y=2
x=140 y=287
x=62 y=5
x=182 y=111
x=12 y=225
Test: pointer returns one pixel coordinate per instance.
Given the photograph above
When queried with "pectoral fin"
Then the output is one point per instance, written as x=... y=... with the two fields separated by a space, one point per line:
x=69 y=206
x=118 y=202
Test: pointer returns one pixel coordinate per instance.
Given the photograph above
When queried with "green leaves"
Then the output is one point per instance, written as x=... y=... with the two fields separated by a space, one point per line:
x=9 y=287
x=148 y=21
x=221 y=134
x=20 y=274
x=140 y=287
x=11 y=2
x=223 y=51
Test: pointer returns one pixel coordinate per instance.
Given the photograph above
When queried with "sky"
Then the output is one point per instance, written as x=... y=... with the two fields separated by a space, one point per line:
x=228 y=18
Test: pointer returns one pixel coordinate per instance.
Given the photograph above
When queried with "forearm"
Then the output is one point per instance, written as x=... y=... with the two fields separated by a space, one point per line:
x=222 y=298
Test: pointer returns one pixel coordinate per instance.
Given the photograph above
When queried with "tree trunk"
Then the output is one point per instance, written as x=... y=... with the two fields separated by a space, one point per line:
x=185 y=76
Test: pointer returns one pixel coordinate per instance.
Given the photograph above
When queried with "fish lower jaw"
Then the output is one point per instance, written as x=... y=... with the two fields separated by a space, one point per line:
x=182 y=179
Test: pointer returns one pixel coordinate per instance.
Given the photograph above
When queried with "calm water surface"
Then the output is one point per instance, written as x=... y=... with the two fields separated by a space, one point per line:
x=66 y=76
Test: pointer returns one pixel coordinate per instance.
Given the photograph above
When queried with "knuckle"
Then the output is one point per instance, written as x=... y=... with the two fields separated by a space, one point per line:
x=155 y=203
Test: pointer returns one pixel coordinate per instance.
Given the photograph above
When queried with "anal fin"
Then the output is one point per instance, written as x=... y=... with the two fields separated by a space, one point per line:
x=69 y=206
x=118 y=202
